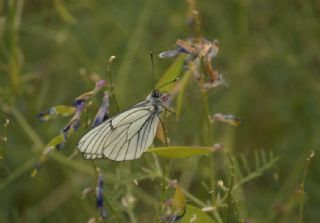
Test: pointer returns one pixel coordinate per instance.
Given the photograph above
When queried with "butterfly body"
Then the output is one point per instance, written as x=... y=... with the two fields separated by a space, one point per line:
x=127 y=135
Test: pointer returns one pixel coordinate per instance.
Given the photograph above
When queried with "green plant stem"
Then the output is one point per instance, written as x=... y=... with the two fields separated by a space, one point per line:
x=132 y=216
x=286 y=190
x=163 y=177
x=27 y=165
x=229 y=194
x=208 y=130
x=301 y=190
x=3 y=139
x=208 y=139
x=14 y=11
x=111 y=88
x=129 y=209
x=25 y=126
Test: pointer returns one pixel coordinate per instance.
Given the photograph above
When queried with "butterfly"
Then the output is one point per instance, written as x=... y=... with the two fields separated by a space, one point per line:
x=127 y=135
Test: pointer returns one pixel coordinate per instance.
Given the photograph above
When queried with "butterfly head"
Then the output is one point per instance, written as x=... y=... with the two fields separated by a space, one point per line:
x=159 y=98
x=155 y=94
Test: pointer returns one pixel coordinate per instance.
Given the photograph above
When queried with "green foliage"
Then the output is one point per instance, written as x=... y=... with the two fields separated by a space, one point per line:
x=263 y=161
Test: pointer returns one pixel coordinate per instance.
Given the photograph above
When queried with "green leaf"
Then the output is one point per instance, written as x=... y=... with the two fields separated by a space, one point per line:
x=195 y=215
x=184 y=82
x=179 y=199
x=56 y=141
x=64 y=110
x=247 y=173
x=171 y=73
x=59 y=110
x=181 y=151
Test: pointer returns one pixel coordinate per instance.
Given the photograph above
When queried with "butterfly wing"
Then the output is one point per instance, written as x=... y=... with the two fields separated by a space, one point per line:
x=124 y=137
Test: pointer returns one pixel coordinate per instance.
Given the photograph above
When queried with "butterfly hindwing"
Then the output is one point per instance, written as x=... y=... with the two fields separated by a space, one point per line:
x=138 y=138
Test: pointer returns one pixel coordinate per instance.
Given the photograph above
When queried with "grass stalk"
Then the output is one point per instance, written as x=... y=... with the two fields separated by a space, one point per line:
x=302 y=189
x=229 y=194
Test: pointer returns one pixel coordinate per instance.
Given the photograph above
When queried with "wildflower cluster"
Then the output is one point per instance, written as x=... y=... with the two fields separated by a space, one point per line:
x=79 y=105
x=200 y=53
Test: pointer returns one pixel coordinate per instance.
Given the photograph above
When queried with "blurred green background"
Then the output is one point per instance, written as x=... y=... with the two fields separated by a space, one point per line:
x=269 y=55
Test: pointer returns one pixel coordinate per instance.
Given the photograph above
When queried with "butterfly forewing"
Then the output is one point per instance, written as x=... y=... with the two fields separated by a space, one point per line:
x=124 y=137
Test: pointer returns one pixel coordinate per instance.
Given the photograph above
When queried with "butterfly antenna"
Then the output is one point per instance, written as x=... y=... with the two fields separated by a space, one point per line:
x=152 y=63
x=170 y=82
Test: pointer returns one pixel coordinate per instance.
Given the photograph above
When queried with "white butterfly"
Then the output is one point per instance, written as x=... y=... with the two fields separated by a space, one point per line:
x=127 y=135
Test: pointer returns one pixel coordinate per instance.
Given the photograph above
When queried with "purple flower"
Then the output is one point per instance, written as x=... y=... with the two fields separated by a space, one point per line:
x=99 y=197
x=103 y=112
x=173 y=53
x=78 y=102
x=100 y=84
x=74 y=123
x=88 y=95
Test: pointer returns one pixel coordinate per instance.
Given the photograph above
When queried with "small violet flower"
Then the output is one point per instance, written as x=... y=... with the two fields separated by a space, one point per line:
x=86 y=96
x=74 y=123
x=99 y=197
x=103 y=112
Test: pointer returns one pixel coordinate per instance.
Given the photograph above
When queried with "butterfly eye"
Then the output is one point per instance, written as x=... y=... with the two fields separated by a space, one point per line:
x=156 y=94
